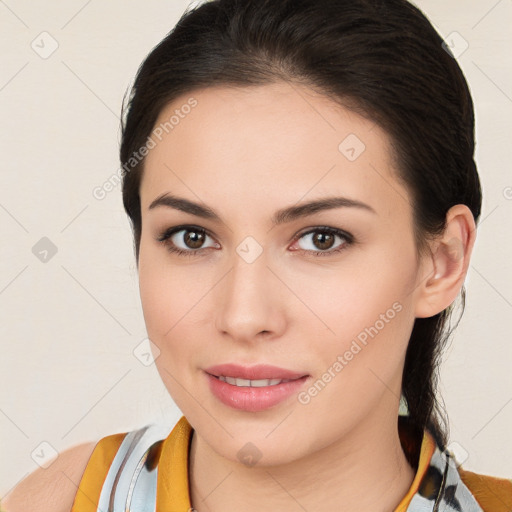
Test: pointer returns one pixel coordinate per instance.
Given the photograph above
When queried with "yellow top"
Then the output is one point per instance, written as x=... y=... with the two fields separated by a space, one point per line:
x=172 y=492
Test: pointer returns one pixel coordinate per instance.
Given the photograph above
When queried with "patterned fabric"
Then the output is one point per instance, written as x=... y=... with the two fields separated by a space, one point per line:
x=146 y=470
x=442 y=488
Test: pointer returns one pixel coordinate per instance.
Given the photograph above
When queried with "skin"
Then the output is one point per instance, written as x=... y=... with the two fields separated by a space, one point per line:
x=52 y=489
x=245 y=153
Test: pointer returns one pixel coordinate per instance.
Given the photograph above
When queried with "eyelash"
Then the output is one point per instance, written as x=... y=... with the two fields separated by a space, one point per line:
x=165 y=235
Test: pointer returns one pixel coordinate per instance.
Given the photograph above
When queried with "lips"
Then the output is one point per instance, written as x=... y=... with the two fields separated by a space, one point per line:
x=254 y=373
x=254 y=395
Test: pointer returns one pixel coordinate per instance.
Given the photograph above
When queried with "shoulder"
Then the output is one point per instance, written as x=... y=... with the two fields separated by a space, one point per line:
x=494 y=494
x=81 y=478
x=52 y=489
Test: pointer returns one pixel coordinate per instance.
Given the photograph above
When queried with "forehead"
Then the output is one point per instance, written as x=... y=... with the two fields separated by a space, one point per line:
x=275 y=143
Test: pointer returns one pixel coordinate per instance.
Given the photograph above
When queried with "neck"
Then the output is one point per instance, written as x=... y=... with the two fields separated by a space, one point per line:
x=365 y=470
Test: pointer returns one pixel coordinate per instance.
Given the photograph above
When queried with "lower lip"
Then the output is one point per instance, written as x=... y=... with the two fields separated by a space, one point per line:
x=253 y=399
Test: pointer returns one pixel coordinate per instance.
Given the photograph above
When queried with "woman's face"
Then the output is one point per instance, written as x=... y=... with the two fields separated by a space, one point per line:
x=264 y=282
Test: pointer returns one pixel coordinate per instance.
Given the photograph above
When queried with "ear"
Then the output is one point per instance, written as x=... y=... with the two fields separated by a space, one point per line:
x=445 y=267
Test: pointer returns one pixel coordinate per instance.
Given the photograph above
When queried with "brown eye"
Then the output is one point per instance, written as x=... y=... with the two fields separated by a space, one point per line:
x=322 y=241
x=193 y=239
x=185 y=240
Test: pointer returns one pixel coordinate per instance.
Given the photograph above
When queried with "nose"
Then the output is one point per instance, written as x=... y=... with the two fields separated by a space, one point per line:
x=250 y=301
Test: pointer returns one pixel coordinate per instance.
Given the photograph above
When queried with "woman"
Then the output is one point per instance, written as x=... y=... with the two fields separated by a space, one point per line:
x=300 y=179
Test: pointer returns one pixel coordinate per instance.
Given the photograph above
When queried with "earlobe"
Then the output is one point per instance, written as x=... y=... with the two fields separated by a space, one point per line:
x=447 y=263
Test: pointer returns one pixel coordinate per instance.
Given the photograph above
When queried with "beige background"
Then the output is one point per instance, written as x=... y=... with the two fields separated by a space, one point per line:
x=69 y=326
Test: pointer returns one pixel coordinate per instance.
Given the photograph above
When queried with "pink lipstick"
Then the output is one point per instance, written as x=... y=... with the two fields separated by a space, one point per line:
x=253 y=388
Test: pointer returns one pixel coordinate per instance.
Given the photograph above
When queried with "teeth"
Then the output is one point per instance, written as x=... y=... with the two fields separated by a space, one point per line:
x=265 y=382
x=251 y=383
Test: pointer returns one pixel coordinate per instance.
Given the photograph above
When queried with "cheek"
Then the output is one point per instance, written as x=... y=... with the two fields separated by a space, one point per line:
x=165 y=317
x=369 y=312
x=170 y=297
x=157 y=285
x=153 y=297
x=354 y=298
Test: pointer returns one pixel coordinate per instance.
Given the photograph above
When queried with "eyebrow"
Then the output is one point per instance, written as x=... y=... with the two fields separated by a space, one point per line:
x=282 y=216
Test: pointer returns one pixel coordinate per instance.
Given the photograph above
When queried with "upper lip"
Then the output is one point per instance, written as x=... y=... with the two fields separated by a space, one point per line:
x=256 y=372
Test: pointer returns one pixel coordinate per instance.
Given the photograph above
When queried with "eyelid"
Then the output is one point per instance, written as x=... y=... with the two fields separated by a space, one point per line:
x=347 y=238
x=179 y=227
x=164 y=236
x=169 y=232
x=314 y=229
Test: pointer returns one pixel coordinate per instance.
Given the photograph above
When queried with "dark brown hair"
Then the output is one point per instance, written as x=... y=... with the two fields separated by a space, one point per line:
x=380 y=58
